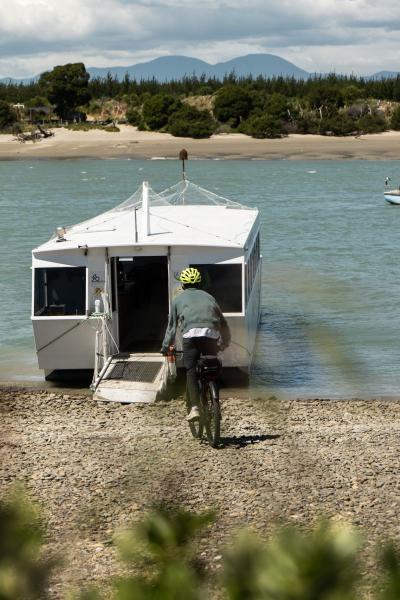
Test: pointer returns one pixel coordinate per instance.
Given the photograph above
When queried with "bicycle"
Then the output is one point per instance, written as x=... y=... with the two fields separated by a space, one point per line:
x=208 y=370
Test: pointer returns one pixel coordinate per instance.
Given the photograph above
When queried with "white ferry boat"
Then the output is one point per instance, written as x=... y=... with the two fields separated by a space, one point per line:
x=102 y=288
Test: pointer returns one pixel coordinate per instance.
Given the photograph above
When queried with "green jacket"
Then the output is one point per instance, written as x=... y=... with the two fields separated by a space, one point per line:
x=195 y=308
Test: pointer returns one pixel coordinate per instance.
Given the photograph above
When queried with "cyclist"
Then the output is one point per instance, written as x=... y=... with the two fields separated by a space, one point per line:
x=204 y=330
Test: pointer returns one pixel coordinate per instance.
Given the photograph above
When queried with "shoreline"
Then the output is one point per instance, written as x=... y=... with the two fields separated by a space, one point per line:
x=78 y=388
x=129 y=143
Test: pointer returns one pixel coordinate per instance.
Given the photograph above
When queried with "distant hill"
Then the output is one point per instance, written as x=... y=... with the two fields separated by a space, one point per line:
x=17 y=81
x=176 y=67
x=163 y=68
x=267 y=65
x=383 y=75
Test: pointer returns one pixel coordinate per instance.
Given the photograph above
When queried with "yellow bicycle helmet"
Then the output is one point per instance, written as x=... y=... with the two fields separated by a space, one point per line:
x=190 y=275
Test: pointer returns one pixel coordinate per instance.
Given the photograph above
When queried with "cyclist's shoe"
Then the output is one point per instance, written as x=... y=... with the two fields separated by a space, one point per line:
x=194 y=414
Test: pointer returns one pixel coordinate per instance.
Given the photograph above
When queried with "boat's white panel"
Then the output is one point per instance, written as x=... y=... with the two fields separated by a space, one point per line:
x=253 y=313
x=133 y=391
x=238 y=354
x=64 y=343
x=69 y=258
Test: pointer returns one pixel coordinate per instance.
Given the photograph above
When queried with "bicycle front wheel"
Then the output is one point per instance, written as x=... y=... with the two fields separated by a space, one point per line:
x=212 y=413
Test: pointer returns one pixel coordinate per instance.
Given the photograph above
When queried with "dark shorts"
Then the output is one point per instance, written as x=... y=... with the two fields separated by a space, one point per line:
x=192 y=349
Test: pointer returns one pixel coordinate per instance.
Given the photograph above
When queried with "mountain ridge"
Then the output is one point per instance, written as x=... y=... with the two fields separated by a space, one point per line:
x=176 y=67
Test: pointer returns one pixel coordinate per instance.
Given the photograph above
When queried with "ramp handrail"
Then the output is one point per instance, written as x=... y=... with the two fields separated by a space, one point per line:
x=104 y=342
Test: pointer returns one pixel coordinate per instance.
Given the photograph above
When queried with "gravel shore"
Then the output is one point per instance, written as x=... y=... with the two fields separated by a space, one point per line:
x=94 y=467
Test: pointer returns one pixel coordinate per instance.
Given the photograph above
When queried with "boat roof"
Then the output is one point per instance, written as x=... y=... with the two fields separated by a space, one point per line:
x=183 y=215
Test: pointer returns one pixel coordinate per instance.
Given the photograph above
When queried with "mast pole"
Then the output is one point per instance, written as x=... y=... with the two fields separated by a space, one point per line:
x=145 y=209
x=183 y=155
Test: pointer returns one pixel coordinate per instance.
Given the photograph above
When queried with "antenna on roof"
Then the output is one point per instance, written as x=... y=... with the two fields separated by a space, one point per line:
x=183 y=155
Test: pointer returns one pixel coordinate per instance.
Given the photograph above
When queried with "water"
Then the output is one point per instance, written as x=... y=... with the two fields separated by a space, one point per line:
x=331 y=286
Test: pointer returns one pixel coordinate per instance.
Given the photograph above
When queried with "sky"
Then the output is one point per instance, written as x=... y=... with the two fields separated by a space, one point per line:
x=345 y=36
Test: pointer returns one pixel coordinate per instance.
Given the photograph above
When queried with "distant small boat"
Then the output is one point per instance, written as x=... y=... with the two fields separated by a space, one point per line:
x=391 y=196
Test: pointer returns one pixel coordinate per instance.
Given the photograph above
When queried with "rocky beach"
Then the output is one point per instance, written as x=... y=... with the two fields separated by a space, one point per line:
x=96 y=467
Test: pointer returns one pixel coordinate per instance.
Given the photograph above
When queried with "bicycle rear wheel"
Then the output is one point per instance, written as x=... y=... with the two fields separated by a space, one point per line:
x=212 y=413
x=196 y=427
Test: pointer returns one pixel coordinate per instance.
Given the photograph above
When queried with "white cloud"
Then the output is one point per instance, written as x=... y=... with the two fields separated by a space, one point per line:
x=41 y=20
x=318 y=35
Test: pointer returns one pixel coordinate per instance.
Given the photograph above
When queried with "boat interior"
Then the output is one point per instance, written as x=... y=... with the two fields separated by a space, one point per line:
x=140 y=293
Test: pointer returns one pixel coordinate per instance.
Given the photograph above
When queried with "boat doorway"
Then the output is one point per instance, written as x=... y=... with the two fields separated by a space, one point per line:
x=141 y=284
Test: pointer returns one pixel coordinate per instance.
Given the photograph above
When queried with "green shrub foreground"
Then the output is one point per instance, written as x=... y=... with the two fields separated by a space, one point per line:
x=322 y=564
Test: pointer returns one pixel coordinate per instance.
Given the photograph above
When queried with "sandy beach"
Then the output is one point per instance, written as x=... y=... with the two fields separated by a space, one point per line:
x=131 y=143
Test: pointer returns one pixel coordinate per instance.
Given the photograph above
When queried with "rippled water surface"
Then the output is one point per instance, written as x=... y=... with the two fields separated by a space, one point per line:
x=330 y=324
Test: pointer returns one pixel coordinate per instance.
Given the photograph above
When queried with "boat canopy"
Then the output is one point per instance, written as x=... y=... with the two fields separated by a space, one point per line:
x=187 y=193
x=183 y=193
x=171 y=214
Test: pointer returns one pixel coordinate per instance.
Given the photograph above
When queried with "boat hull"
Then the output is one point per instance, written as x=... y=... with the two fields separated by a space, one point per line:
x=392 y=197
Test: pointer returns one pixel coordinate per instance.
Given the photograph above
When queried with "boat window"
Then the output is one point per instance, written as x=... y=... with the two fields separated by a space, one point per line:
x=60 y=291
x=224 y=282
x=252 y=266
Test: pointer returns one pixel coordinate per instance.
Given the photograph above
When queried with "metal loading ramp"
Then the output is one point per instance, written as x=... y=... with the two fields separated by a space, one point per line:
x=134 y=377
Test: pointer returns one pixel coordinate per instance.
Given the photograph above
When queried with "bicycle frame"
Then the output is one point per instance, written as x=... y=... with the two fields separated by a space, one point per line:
x=208 y=369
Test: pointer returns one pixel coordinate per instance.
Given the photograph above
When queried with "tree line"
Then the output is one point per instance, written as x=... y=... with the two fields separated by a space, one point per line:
x=257 y=106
